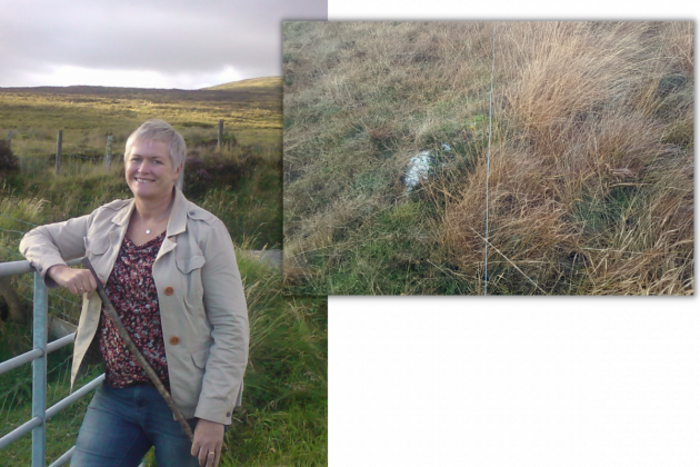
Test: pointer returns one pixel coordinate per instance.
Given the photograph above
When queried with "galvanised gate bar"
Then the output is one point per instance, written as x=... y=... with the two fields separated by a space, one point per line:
x=37 y=357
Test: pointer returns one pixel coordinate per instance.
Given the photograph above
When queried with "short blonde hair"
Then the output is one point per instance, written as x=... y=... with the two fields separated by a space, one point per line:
x=159 y=130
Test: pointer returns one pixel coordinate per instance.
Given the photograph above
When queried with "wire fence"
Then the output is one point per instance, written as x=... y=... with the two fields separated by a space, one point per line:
x=19 y=220
x=40 y=156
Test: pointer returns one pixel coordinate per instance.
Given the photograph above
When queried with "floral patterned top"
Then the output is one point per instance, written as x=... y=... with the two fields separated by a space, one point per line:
x=133 y=293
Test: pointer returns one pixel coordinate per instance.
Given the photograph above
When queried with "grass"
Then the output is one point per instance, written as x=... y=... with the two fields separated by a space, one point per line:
x=591 y=177
x=283 y=420
x=255 y=84
x=118 y=110
x=62 y=429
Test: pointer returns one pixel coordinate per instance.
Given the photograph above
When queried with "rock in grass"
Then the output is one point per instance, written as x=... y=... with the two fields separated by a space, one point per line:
x=419 y=168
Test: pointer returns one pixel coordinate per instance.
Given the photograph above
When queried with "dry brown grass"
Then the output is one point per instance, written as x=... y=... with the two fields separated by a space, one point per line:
x=581 y=104
x=527 y=222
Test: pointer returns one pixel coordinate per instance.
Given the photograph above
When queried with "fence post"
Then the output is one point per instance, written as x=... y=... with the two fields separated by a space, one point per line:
x=9 y=139
x=41 y=308
x=59 y=144
x=108 y=154
x=221 y=135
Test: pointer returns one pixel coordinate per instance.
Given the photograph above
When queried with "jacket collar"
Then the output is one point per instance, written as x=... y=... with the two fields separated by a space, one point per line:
x=177 y=223
x=178 y=215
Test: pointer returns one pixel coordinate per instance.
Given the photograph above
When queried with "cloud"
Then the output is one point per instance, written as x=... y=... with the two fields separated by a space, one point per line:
x=157 y=43
x=67 y=75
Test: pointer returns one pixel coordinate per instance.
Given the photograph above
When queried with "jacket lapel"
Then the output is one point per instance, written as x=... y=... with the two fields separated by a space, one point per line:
x=120 y=223
x=177 y=224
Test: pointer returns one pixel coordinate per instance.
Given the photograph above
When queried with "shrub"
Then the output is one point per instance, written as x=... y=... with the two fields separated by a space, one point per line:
x=8 y=161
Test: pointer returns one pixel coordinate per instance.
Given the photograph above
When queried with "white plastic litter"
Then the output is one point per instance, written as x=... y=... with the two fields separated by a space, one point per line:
x=419 y=168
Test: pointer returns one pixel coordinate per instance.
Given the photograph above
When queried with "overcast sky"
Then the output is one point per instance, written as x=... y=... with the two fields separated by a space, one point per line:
x=181 y=44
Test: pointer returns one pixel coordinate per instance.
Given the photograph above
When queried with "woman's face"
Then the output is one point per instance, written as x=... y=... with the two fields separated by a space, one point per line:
x=149 y=170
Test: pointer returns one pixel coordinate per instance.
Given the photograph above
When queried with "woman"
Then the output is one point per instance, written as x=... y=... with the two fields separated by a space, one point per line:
x=170 y=271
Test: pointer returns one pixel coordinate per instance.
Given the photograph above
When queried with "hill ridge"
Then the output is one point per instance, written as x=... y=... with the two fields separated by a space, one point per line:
x=265 y=81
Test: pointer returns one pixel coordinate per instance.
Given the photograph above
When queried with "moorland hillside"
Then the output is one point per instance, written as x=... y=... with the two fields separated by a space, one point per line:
x=255 y=84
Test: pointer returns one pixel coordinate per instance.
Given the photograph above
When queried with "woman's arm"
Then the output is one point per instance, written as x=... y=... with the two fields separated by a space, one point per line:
x=224 y=302
x=50 y=245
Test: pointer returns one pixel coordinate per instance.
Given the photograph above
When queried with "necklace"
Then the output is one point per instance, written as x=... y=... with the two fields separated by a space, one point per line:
x=148 y=231
x=165 y=216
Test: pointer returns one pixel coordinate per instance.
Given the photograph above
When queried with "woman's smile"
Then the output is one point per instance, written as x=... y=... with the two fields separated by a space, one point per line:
x=149 y=170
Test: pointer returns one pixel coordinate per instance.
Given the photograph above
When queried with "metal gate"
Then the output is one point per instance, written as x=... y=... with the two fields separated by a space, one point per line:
x=38 y=357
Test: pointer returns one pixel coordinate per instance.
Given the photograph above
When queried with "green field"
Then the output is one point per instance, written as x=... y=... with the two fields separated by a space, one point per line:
x=591 y=157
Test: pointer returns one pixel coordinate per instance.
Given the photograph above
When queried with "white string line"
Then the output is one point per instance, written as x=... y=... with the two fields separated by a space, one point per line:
x=488 y=167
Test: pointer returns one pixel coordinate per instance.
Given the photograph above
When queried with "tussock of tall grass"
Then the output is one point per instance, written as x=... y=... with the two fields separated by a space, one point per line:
x=15 y=210
x=26 y=209
x=591 y=188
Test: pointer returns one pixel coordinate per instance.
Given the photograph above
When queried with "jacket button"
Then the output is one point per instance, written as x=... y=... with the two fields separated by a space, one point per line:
x=228 y=414
x=174 y=340
x=169 y=291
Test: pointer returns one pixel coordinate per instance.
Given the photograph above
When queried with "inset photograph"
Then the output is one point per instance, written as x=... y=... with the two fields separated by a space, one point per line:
x=498 y=158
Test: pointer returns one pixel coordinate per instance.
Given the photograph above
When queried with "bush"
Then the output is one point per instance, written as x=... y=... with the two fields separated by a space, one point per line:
x=216 y=171
x=8 y=161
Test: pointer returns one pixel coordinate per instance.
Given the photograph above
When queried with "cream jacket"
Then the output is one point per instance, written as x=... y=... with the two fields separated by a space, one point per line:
x=202 y=305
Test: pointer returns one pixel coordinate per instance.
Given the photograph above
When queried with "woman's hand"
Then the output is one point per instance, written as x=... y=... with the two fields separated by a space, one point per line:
x=208 y=438
x=78 y=281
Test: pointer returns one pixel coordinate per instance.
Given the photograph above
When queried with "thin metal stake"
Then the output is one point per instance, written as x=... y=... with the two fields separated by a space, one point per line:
x=488 y=168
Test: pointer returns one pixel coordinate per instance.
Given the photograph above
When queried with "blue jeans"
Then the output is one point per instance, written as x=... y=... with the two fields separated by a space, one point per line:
x=121 y=425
